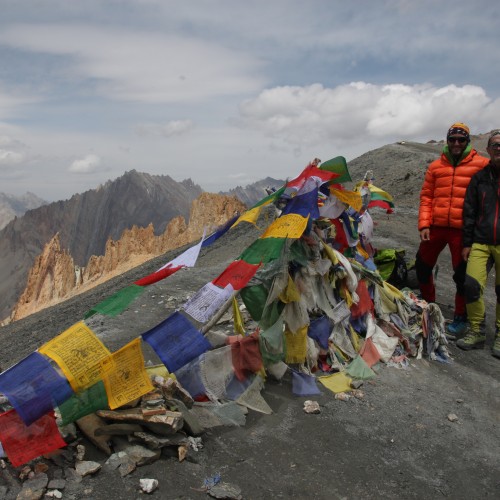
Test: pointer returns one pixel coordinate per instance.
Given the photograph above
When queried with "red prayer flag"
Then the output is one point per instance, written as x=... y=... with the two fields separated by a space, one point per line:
x=157 y=276
x=369 y=353
x=23 y=443
x=237 y=274
x=311 y=171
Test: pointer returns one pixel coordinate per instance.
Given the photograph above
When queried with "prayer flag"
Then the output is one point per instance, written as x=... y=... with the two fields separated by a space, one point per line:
x=219 y=232
x=338 y=382
x=303 y=204
x=337 y=165
x=83 y=403
x=304 y=384
x=34 y=387
x=82 y=357
x=116 y=303
x=286 y=226
x=128 y=380
x=263 y=250
x=320 y=330
x=158 y=275
x=176 y=341
x=24 y=443
x=207 y=301
x=238 y=274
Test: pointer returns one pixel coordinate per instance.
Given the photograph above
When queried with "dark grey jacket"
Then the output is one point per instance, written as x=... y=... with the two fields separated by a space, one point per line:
x=481 y=211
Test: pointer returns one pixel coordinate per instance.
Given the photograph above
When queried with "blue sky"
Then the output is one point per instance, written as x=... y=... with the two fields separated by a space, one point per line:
x=229 y=92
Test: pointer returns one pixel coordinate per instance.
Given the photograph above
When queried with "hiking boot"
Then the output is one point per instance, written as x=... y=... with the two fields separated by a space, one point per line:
x=471 y=341
x=457 y=328
x=495 y=350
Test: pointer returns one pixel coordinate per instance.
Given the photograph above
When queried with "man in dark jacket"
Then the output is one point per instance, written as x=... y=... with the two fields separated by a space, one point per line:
x=481 y=240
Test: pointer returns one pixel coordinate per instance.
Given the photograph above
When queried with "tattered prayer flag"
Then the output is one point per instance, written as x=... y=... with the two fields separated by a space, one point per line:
x=116 y=303
x=239 y=326
x=286 y=226
x=89 y=401
x=337 y=165
x=176 y=341
x=189 y=376
x=370 y=353
x=338 y=382
x=34 y=387
x=157 y=276
x=303 y=204
x=128 y=380
x=251 y=216
x=246 y=356
x=320 y=330
x=365 y=303
x=358 y=369
x=304 y=384
x=272 y=343
x=312 y=171
x=219 y=232
x=263 y=250
x=351 y=198
x=82 y=357
x=24 y=443
x=296 y=345
x=187 y=258
x=238 y=274
x=207 y=301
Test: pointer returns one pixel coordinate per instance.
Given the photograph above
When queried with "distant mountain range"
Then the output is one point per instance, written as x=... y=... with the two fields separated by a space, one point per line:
x=86 y=221
x=15 y=206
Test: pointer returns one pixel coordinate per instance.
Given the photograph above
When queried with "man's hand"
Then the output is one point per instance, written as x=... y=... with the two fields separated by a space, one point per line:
x=425 y=234
x=465 y=253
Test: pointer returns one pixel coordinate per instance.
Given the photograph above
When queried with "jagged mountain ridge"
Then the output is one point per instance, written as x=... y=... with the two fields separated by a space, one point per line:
x=86 y=221
x=55 y=278
x=252 y=193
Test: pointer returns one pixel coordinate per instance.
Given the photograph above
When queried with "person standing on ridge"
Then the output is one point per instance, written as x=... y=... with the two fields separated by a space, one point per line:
x=440 y=217
x=481 y=235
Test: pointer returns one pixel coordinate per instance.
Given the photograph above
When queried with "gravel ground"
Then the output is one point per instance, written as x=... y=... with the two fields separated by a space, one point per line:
x=397 y=442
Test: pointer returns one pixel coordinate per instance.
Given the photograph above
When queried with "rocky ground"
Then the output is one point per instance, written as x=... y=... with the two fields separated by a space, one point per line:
x=399 y=441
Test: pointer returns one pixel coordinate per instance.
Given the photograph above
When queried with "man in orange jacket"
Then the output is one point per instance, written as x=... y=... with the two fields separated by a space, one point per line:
x=440 y=216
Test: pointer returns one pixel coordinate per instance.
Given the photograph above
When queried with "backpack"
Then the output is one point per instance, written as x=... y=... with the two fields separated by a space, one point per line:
x=391 y=265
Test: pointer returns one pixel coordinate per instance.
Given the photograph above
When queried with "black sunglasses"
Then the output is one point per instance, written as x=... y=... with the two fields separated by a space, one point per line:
x=495 y=145
x=460 y=140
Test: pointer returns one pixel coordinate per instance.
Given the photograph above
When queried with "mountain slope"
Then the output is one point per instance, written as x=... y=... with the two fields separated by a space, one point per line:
x=86 y=221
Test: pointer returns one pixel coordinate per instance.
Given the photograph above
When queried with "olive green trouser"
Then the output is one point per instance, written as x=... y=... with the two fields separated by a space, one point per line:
x=481 y=258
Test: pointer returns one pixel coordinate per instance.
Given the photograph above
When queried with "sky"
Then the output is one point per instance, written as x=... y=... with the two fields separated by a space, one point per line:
x=228 y=92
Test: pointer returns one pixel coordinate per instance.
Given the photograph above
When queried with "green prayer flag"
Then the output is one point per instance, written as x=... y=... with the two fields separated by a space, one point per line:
x=263 y=250
x=84 y=403
x=339 y=166
x=117 y=303
x=358 y=369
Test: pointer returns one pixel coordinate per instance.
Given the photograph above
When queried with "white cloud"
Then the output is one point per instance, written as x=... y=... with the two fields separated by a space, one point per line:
x=172 y=128
x=362 y=112
x=142 y=66
x=12 y=151
x=87 y=165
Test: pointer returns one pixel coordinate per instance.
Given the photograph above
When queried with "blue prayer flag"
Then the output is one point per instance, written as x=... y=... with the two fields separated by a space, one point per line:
x=176 y=341
x=34 y=387
x=320 y=330
x=304 y=384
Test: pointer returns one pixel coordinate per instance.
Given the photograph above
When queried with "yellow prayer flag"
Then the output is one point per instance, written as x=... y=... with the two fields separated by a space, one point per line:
x=352 y=198
x=129 y=379
x=82 y=357
x=290 y=293
x=330 y=253
x=287 y=226
x=296 y=345
x=338 y=382
x=239 y=327
x=251 y=215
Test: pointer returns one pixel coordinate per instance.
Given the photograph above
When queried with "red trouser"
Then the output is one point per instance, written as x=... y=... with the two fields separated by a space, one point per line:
x=427 y=256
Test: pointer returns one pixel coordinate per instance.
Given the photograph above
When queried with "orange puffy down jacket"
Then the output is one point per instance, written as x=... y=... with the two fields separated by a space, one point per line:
x=443 y=191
